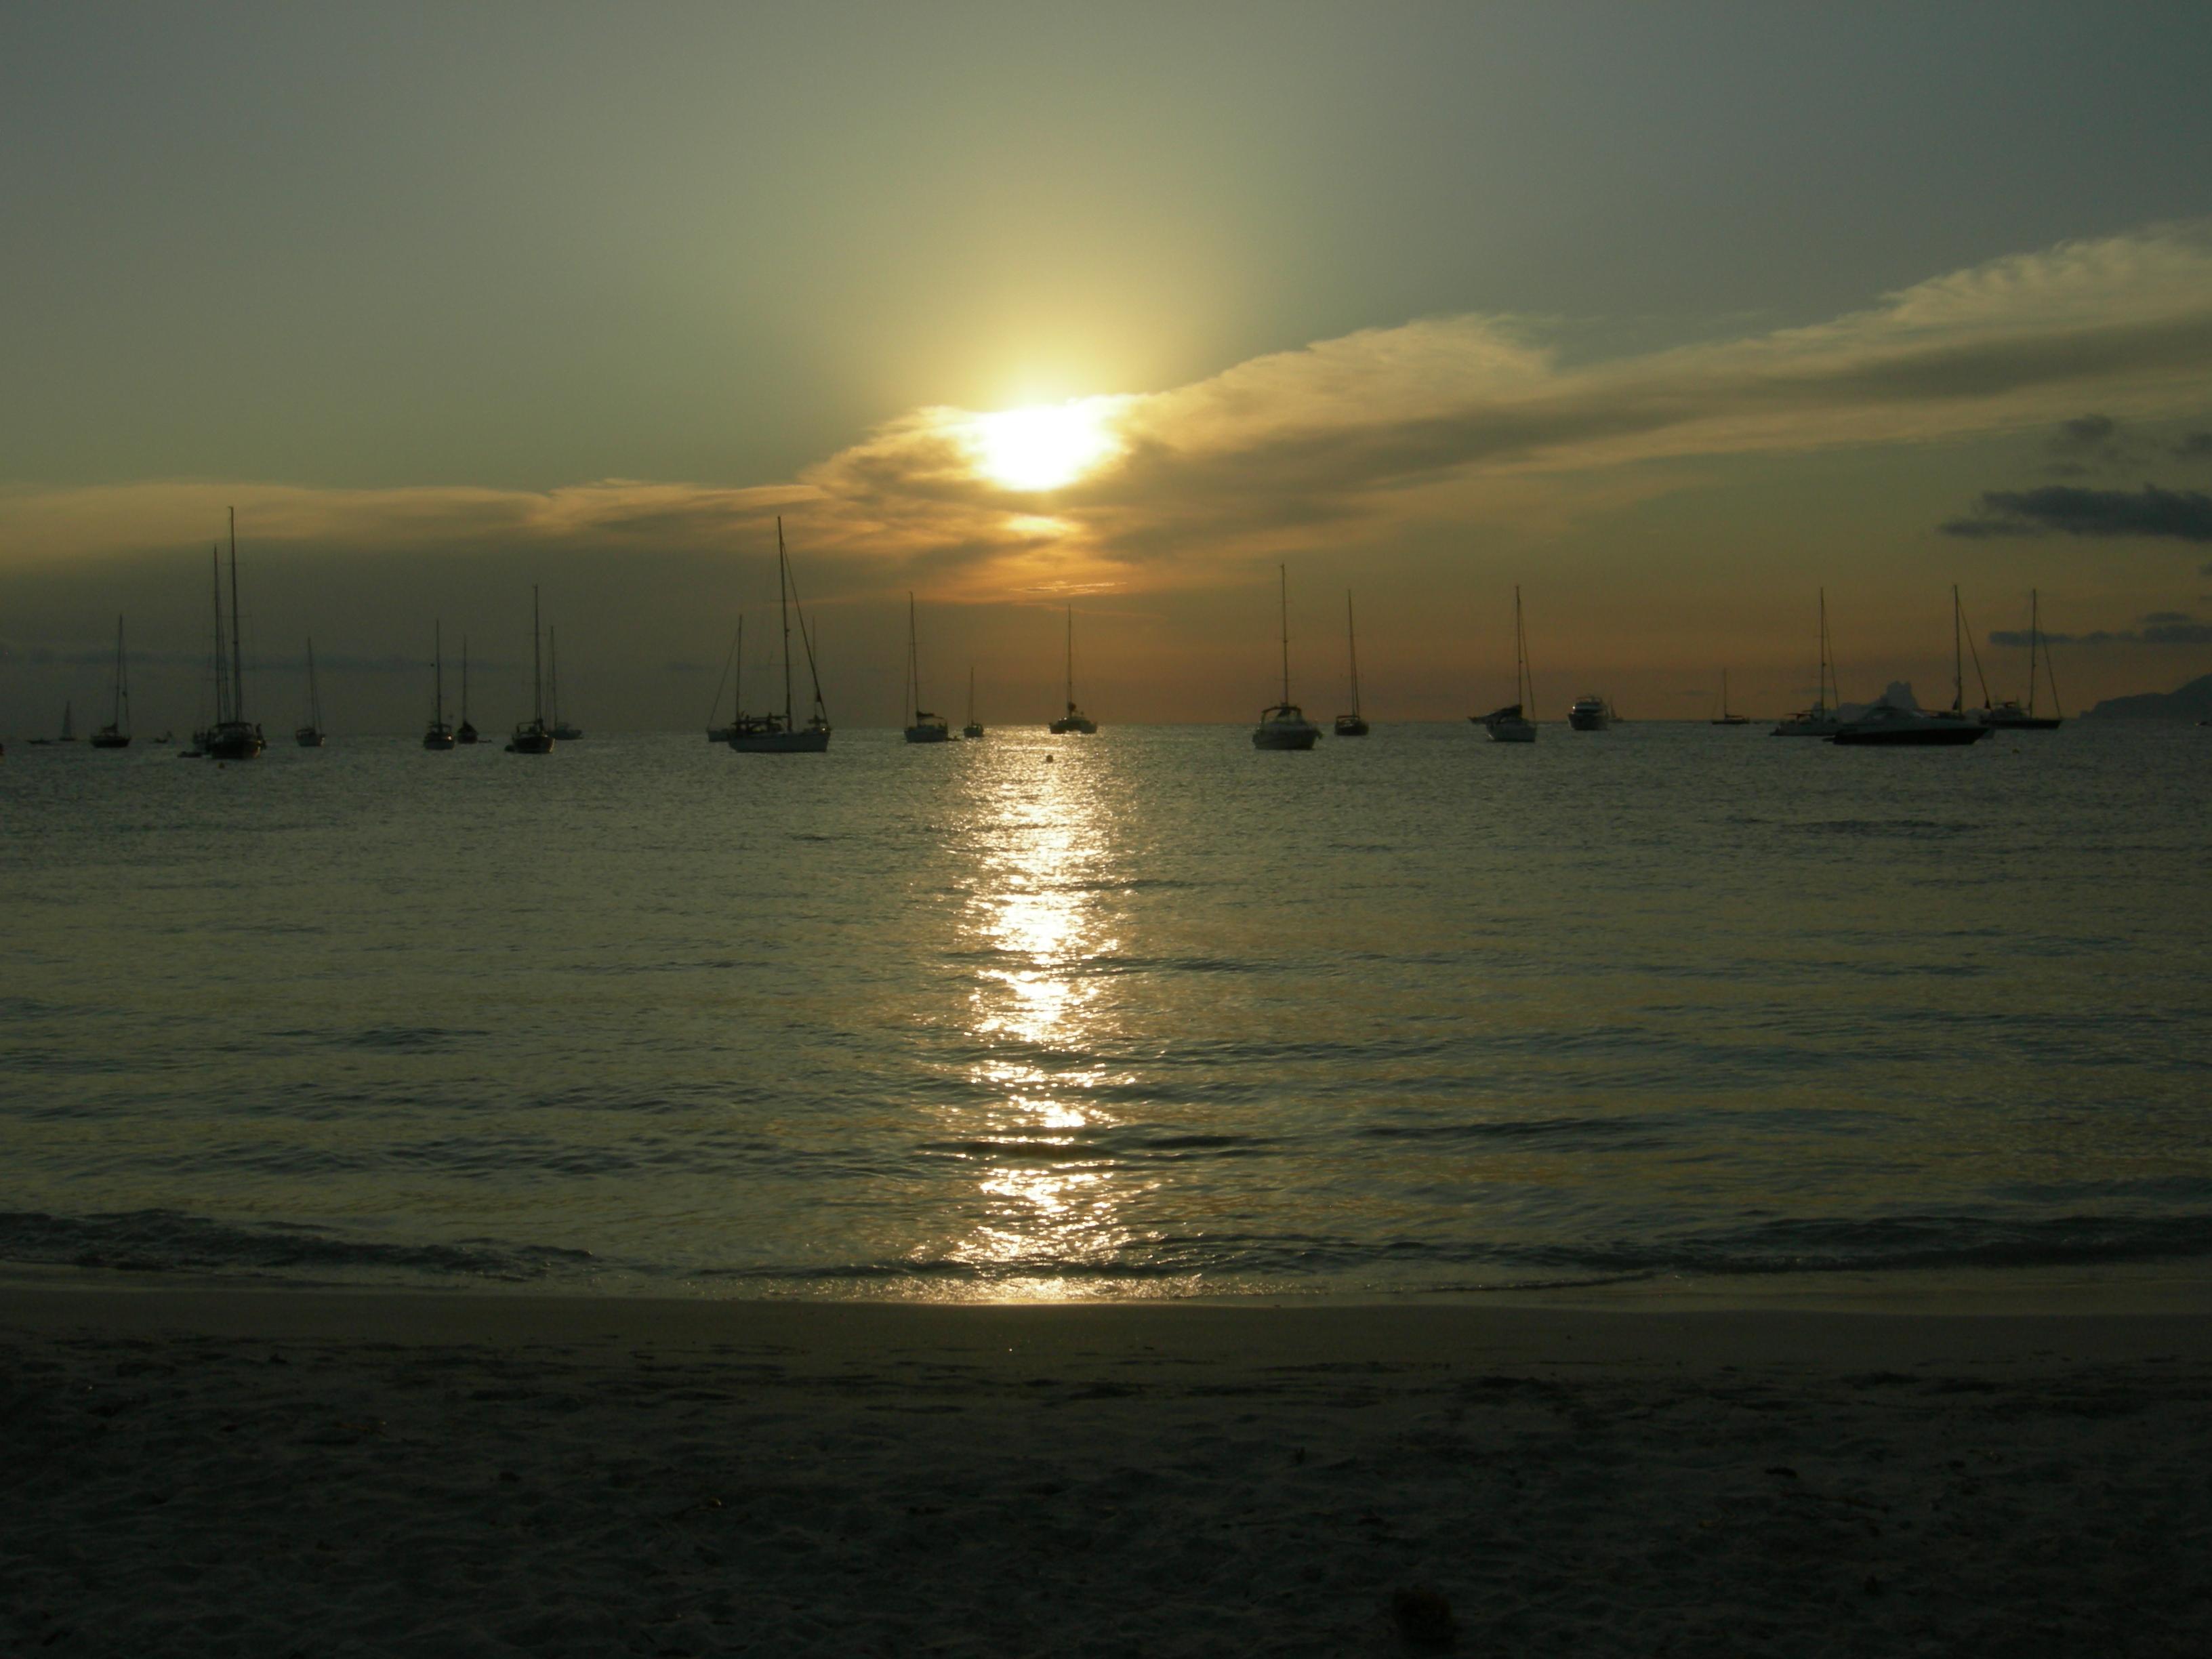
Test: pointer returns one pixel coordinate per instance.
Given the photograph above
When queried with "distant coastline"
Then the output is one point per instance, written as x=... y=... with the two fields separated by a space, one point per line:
x=2193 y=702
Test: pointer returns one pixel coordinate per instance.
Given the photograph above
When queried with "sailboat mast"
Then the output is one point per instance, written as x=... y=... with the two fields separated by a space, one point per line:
x=1351 y=645
x=123 y=688
x=237 y=655
x=553 y=671
x=1957 y=659
x=537 y=677
x=221 y=679
x=1071 y=659
x=465 y=678
x=2030 y=652
x=1523 y=687
x=314 y=694
x=438 y=673
x=783 y=598
x=1283 y=578
x=913 y=664
x=1826 y=668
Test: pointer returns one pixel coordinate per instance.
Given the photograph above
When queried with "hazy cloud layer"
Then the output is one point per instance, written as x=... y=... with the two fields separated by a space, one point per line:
x=1351 y=439
x=2158 y=628
x=2167 y=515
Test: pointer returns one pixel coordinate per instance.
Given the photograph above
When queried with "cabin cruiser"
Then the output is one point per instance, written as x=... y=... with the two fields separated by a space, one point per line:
x=1591 y=713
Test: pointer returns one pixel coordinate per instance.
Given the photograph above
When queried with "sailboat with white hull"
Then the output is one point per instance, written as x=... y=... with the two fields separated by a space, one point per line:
x=2010 y=716
x=778 y=734
x=310 y=736
x=533 y=735
x=1074 y=722
x=1353 y=725
x=1284 y=725
x=116 y=734
x=925 y=728
x=438 y=736
x=1512 y=723
x=232 y=737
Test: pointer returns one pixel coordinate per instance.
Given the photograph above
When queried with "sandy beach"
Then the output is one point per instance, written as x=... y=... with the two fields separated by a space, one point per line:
x=202 y=1469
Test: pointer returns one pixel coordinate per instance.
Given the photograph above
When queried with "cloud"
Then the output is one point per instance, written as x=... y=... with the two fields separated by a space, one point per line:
x=2158 y=628
x=1355 y=440
x=2085 y=432
x=2165 y=514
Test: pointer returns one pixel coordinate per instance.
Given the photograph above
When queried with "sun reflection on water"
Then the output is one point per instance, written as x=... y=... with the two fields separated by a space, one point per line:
x=1049 y=1195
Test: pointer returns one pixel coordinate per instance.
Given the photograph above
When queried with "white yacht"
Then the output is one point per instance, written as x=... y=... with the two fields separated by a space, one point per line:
x=1589 y=714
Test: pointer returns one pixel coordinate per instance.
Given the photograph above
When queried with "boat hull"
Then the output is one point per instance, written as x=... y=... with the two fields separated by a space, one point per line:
x=1807 y=725
x=811 y=740
x=1351 y=726
x=1075 y=725
x=1930 y=734
x=235 y=740
x=110 y=740
x=1509 y=731
x=1588 y=720
x=307 y=737
x=973 y=730
x=2023 y=722
x=928 y=734
x=439 y=739
x=1284 y=726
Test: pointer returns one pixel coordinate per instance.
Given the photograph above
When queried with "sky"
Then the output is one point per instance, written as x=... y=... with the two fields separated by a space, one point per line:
x=1674 y=317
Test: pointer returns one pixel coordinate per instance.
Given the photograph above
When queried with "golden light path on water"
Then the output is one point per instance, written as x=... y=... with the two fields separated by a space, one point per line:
x=1035 y=915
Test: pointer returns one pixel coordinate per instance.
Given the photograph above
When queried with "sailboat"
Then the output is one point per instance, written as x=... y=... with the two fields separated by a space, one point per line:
x=1284 y=725
x=232 y=737
x=2010 y=715
x=310 y=736
x=926 y=727
x=735 y=656
x=533 y=735
x=561 y=729
x=777 y=734
x=1886 y=725
x=1725 y=718
x=465 y=732
x=1353 y=725
x=69 y=729
x=438 y=736
x=1821 y=720
x=116 y=734
x=974 y=727
x=1512 y=723
x=1074 y=721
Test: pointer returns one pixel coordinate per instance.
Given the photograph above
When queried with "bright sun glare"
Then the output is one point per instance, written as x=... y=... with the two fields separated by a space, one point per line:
x=1044 y=446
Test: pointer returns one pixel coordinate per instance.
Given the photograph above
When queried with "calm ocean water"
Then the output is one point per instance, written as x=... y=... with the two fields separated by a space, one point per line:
x=1146 y=1014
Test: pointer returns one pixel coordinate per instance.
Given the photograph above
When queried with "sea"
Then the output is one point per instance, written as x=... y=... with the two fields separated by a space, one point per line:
x=1145 y=1014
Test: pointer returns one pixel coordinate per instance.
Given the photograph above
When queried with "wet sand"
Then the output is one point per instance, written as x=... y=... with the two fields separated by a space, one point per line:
x=188 y=1469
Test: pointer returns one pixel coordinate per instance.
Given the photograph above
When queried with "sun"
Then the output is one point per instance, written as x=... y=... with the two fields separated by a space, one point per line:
x=1044 y=446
